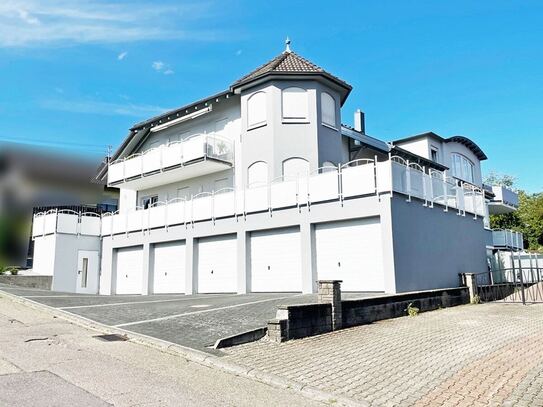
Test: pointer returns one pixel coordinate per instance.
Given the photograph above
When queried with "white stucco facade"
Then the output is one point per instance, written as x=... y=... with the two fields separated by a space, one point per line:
x=260 y=188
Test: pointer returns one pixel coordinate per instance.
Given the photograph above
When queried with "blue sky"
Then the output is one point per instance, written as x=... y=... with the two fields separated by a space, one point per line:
x=78 y=74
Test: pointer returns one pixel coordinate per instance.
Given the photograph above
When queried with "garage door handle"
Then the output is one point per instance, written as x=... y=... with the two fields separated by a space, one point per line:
x=78 y=271
x=339 y=264
x=211 y=271
x=165 y=273
x=269 y=268
x=127 y=276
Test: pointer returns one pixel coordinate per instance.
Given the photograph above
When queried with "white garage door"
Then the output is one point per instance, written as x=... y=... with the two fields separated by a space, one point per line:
x=169 y=268
x=276 y=261
x=129 y=270
x=351 y=251
x=217 y=265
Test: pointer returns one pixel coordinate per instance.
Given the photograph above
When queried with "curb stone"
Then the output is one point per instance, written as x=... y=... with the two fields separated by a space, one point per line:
x=192 y=355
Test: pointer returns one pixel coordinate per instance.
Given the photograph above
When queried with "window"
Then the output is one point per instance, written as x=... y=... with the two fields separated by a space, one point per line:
x=294 y=168
x=462 y=167
x=148 y=201
x=434 y=154
x=328 y=107
x=256 y=110
x=295 y=104
x=183 y=193
x=257 y=174
x=84 y=272
x=220 y=184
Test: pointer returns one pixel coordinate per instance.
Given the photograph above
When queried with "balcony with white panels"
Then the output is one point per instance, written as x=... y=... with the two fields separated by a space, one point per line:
x=195 y=156
x=507 y=239
x=504 y=201
x=357 y=179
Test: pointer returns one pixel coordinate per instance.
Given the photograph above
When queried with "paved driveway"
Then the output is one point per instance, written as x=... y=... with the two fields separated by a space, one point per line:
x=471 y=355
x=196 y=321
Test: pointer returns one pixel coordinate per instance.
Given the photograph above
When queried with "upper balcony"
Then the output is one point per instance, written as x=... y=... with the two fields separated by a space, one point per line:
x=504 y=201
x=195 y=156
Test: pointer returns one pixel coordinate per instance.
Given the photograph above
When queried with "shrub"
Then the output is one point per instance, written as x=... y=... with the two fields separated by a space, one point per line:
x=412 y=311
x=14 y=271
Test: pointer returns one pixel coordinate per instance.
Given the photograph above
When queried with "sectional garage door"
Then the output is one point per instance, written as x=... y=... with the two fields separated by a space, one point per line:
x=276 y=260
x=129 y=269
x=351 y=251
x=217 y=265
x=169 y=268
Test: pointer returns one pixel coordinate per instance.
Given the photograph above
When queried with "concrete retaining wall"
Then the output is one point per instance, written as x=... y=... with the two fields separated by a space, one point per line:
x=41 y=282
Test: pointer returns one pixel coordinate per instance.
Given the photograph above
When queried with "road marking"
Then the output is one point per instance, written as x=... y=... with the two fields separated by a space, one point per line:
x=203 y=311
x=132 y=302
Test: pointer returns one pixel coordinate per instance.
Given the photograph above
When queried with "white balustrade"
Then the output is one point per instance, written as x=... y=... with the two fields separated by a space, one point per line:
x=152 y=160
x=133 y=167
x=157 y=216
x=256 y=199
x=50 y=223
x=284 y=194
x=175 y=212
x=172 y=154
x=202 y=206
x=38 y=224
x=90 y=224
x=323 y=186
x=358 y=179
x=224 y=203
x=67 y=223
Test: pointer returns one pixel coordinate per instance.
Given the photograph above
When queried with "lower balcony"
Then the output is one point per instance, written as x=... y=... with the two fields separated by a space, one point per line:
x=507 y=239
x=193 y=157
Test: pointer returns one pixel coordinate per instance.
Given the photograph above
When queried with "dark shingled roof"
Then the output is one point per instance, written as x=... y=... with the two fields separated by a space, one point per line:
x=289 y=63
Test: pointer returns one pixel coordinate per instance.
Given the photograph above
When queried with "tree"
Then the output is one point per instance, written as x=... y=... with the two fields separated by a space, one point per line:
x=528 y=219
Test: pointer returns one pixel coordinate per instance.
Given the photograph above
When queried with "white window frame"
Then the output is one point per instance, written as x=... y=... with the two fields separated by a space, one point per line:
x=436 y=150
x=295 y=105
x=465 y=169
x=261 y=116
x=325 y=117
x=298 y=161
x=260 y=182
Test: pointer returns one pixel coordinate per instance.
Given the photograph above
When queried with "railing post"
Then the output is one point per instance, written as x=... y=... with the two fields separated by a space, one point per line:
x=340 y=183
x=445 y=191
x=474 y=202
x=471 y=283
x=522 y=293
x=408 y=181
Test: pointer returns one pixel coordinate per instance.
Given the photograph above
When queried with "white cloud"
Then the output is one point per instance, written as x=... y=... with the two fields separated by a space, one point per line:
x=158 y=65
x=122 y=55
x=57 y=22
x=102 y=108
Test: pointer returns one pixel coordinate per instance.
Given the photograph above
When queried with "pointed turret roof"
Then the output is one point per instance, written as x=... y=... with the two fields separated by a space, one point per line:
x=289 y=63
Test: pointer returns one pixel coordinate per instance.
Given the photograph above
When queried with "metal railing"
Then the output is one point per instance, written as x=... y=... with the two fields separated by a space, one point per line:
x=516 y=284
x=357 y=178
x=507 y=239
x=195 y=148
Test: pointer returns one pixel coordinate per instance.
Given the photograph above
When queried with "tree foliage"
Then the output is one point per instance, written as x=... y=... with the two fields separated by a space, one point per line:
x=528 y=219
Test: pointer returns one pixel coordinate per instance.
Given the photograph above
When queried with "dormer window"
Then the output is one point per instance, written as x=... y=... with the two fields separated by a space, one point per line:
x=256 y=110
x=328 y=107
x=294 y=104
x=462 y=167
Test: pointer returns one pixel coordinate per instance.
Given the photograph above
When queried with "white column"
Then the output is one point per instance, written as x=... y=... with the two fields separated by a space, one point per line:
x=309 y=269
x=146 y=268
x=243 y=258
x=191 y=265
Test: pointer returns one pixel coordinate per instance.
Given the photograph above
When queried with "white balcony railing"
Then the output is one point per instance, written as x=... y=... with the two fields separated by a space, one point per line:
x=355 y=179
x=505 y=196
x=507 y=239
x=178 y=153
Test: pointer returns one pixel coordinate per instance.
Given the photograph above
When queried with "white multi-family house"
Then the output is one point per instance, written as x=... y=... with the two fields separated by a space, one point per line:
x=260 y=188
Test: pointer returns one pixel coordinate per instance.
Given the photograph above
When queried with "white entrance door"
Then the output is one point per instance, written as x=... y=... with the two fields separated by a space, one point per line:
x=276 y=261
x=217 y=265
x=169 y=268
x=351 y=251
x=87 y=272
x=129 y=269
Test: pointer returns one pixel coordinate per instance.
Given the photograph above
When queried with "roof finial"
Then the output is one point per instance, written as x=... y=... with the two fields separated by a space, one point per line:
x=287 y=45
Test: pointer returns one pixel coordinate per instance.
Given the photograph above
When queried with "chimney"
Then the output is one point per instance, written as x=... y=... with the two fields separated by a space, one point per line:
x=359 y=121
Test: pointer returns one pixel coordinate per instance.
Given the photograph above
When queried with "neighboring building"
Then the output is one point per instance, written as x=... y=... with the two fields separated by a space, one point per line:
x=260 y=188
x=31 y=177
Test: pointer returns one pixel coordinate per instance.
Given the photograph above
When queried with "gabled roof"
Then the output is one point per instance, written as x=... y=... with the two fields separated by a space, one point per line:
x=289 y=63
x=454 y=139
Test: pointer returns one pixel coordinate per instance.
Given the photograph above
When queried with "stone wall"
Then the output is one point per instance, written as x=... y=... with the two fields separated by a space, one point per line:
x=299 y=321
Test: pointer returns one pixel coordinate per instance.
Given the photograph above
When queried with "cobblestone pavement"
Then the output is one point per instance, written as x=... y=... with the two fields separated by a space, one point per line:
x=472 y=355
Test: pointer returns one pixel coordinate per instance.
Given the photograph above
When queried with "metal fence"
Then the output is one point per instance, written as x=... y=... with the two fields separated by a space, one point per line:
x=516 y=284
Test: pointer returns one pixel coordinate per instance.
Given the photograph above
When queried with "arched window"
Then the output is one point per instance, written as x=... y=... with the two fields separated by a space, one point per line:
x=295 y=104
x=328 y=108
x=462 y=167
x=257 y=174
x=256 y=109
x=295 y=167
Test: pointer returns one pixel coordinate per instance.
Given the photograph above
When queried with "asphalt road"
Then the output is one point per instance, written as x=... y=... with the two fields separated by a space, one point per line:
x=195 y=321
